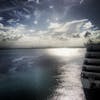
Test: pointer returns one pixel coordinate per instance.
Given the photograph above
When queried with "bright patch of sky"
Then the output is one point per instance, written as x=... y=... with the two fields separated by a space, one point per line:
x=11 y=21
x=51 y=6
x=35 y=22
x=27 y=16
x=81 y=1
x=37 y=1
x=31 y=0
x=1 y=18
x=54 y=25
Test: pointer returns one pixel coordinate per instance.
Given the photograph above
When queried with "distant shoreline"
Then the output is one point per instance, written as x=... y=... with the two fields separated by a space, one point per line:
x=7 y=48
x=43 y=43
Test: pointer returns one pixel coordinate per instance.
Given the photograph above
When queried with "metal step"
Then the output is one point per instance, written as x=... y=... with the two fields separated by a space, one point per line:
x=90 y=75
x=89 y=61
x=92 y=55
x=91 y=68
x=93 y=47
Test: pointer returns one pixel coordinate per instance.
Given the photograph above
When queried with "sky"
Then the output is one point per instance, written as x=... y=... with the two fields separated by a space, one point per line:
x=55 y=18
x=40 y=12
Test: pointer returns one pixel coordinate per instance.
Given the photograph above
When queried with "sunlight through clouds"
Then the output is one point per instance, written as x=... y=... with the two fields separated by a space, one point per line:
x=56 y=35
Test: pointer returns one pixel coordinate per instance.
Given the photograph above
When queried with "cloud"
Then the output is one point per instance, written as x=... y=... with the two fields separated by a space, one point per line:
x=54 y=25
x=57 y=34
x=75 y=26
x=54 y=29
x=88 y=25
x=9 y=33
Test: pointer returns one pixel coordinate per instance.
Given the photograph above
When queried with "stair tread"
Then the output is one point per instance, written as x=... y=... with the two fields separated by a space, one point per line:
x=91 y=74
x=91 y=68
x=92 y=55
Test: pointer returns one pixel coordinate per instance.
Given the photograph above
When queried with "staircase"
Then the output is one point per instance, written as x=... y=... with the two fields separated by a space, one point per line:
x=91 y=67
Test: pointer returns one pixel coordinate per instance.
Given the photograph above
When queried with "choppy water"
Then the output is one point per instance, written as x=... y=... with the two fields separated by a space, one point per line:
x=41 y=74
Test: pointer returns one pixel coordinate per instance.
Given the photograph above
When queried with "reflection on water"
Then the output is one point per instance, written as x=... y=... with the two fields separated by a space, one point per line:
x=41 y=74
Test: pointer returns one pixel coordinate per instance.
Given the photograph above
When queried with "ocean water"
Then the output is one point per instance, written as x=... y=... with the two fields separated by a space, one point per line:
x=41 y=74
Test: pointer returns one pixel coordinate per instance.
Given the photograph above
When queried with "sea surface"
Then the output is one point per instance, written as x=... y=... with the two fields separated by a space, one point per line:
x=41 y=74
